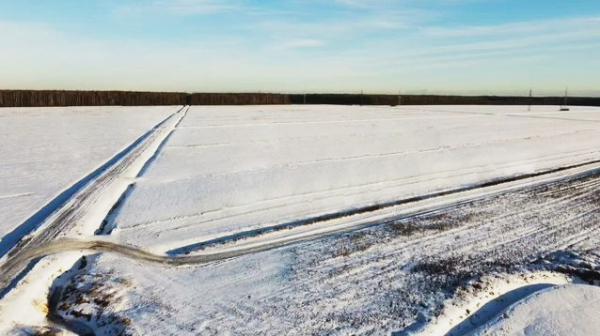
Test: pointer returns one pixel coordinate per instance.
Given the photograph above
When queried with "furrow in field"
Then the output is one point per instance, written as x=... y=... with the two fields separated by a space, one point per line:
x=246 y=166
x=264 y=230
x=326 y=197
x=438 y=242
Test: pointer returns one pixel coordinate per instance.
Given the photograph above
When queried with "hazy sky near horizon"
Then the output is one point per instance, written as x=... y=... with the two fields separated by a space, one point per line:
x=451 y=46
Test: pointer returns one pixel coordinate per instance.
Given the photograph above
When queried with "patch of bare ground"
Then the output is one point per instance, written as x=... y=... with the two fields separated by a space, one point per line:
x=39 y=331
x=352 y=243
x=406 y=269
x=94 y=300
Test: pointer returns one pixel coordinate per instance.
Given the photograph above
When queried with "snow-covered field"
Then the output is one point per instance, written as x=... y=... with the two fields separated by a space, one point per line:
x=230 y=170
x=381 y=280
x=45 y=151
x=321 y=219
x=565 y=310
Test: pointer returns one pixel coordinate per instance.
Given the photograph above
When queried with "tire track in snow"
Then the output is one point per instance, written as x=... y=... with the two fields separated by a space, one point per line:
x=59 y=221
x=266 y=205
x=136 y=253
x=386 y=136
x=370 y=209
x=12 y=240
x=65 y=245
x=367 y=270
x=362 y=157
x=107 y=224
x=534 y=116
x=318 y=122
x=495 y=242
x=3 y=197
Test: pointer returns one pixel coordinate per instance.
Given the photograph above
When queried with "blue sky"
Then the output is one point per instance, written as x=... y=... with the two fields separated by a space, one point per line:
x=383 y=46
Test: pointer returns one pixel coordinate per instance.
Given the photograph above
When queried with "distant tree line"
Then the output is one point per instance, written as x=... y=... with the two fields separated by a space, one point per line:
x=27 y=98
x=31 y=98
x=360 y=99
x=237 y=99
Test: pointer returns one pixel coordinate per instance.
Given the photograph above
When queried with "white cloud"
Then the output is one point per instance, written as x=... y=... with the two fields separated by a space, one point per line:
x=568 y=24
x=302 y=43
x=25 y=33
x=364 y=3
x=177 y=7
x=194 y=7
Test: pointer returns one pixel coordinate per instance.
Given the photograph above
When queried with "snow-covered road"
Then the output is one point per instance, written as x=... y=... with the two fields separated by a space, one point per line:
x=47 y=154
x=79 y=214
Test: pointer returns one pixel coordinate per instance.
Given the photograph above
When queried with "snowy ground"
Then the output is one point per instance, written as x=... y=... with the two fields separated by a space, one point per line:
x=45 y=151
x=378 y=280
x=565 y=310
x=230 y=178
x=230 y=170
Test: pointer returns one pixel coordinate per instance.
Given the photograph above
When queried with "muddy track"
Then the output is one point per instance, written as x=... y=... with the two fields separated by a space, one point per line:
x=138 y=254
x=135 y=253
x=47 y=244
x=67 y=217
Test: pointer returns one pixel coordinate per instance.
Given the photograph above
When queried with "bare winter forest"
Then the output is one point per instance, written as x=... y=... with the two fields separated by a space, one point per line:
x=31 y=98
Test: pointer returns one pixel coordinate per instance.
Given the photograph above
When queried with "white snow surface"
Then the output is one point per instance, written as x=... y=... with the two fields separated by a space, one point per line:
x=44 y=151
x=434 y=269
x=229 y=170
x=570 y=310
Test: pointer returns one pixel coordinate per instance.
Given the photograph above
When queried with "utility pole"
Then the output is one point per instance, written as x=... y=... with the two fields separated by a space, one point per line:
x=530 y=96
x=565 y=102
x=362 y=97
